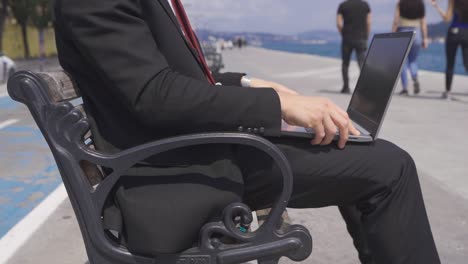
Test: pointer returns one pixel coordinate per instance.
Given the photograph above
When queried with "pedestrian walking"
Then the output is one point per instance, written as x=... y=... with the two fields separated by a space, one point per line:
x=354 y=23
x=410 y=15
x=457 y=36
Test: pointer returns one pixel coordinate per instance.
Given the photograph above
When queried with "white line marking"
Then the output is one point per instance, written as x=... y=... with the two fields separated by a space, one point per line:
x=308 y=73
x=8 y=123
x=3 y=88
x=23 y=230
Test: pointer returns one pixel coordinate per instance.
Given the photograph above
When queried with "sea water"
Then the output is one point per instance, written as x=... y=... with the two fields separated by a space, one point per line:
x=430 y=59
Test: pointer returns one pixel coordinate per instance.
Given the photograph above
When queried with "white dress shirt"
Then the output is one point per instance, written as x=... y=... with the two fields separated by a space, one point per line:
x=170 y=3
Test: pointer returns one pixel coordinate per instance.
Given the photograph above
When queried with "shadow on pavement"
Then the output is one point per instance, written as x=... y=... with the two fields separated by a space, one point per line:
x=453 y=93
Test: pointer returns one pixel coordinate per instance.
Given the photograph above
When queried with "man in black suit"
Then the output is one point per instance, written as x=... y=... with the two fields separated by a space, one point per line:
x=142 y=79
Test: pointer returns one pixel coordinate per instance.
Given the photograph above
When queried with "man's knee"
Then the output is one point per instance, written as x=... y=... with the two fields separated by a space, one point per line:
x=397 y=163
x=395 y=172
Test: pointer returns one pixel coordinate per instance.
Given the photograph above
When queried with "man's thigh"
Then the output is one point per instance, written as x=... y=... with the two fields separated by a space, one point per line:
x=164 y=208
x=323 y=175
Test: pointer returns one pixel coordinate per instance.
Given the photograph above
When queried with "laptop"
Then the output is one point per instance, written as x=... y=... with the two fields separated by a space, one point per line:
x=374 y=89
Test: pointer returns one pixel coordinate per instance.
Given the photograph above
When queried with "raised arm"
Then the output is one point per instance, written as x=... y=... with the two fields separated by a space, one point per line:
x=369 y=23
x=340 y=19
x=425 y=43
x=446 y=15
x=396 y=19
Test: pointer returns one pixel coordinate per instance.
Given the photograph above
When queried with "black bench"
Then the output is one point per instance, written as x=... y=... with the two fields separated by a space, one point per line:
x=215 y=61
x=51 y=99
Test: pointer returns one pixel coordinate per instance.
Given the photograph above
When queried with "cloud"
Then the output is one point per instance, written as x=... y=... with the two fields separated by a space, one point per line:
x=281 y=16
x=228 y=9
x=248 y=15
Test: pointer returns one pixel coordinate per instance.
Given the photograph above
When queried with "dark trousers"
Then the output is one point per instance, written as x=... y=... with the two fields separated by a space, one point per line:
x=347 y=48
x=456 y=37
x=376 y=187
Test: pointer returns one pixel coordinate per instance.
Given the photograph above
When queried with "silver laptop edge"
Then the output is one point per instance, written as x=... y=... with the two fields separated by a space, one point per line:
x=395 y=85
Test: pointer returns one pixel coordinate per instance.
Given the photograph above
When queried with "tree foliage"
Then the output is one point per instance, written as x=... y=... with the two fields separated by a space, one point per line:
x=41 y=15
x=3 y=15
x=22 y=10
x=31 y=12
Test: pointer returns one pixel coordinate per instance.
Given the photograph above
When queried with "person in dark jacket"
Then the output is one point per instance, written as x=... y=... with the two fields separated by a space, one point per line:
x=143 y=78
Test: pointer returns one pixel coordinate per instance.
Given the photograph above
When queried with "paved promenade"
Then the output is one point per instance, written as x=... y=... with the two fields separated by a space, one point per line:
x=434 y=131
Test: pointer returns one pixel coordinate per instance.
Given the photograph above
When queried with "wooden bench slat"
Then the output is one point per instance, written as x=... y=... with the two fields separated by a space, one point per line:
x=61 y=87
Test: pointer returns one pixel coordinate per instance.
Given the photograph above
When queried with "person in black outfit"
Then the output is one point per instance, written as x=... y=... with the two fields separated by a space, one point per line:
x=457 y=36
x=354 y=23
x=142 y=79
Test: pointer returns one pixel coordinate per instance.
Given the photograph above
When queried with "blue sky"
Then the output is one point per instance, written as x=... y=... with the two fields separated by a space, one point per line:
x=284 y=16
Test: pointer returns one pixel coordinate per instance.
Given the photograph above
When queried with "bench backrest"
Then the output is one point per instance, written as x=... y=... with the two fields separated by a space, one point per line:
x=61 y=88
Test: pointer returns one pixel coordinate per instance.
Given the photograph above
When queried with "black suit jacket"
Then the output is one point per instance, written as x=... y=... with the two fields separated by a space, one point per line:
x=140 y=82
x=140 y=79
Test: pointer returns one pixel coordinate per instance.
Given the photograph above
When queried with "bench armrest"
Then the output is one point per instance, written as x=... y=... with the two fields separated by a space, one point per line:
x=124 y=160
x=75 y=126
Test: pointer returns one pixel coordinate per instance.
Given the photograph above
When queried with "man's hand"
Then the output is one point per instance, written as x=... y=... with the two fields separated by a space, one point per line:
x=279 y=88
x=320 y=114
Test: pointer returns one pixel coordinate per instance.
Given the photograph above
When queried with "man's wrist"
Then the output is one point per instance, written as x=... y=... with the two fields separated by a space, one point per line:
x=246 y=81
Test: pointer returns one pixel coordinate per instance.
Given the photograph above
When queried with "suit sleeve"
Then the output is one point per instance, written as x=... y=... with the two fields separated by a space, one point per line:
x=229 y=78
x=113 y=37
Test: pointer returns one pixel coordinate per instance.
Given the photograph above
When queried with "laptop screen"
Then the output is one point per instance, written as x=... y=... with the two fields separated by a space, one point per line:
x=378 y=78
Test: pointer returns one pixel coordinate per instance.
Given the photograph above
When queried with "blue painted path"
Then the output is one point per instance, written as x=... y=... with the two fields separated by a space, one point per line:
x=28 y=173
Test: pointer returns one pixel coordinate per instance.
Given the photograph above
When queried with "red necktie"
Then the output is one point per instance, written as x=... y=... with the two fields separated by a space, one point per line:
x=191 y=37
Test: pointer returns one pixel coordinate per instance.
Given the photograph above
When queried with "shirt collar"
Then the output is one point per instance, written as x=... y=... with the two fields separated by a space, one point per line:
x=170 y=4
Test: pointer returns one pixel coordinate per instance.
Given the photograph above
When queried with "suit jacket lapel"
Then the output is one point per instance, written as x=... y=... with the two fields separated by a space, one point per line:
x=167 y=8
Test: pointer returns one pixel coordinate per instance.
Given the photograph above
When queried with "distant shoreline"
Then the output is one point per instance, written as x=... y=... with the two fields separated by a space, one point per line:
x=431 y=59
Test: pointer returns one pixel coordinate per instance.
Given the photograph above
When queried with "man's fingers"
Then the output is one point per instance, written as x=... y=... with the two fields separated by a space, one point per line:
x=343 y=125
x=330 y=130
x=353 y=130
x=319 y=134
